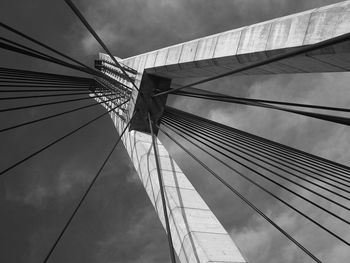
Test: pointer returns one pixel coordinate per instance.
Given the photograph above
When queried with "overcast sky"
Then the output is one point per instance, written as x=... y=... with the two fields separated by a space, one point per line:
x=117 y=222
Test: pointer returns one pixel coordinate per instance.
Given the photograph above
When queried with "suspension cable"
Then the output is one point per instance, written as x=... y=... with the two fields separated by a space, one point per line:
x=45 y=96
x=99 y=40
x=85 y=195
x=15 y=75
x=50 y=103
x=21 y=80
x=54 y=115
x=16 y=79
x=266 y=151
x=39 y=55
x=284 y=187
x=31 y=73
x=47 y=87
x=59 y=139
x=325 y=117
x=41 y=78
x=42 y=45
x=233 y=190
x=269 y=150
x=276 y=146
x=18 y=48
x=293 y=154
x=89 y=69
x=272 y=172
x=45 y=90
x=226 y=98
x=256 y=184
x=271 y=159
x=161 y=189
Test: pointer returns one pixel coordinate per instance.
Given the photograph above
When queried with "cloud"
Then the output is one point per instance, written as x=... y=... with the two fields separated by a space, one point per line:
x=44 y=186
x=135 y=240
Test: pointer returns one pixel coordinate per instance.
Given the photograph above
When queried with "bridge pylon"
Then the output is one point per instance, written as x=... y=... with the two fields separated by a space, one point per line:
x=197 y=234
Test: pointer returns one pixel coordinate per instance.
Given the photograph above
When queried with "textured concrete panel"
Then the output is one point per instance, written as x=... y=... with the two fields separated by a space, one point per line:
x=188 y=54
x=288 y=31
x=173 y=58
x=171 y=178
x=244 y=45
x=327 y=22
x=151 y=59
x=199 y=247
x=253 y=42
x=161 y=57
x=227 y=46
x=142 y=64
x=205 y=51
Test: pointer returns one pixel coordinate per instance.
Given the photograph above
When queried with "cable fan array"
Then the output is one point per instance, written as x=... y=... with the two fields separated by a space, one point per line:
x=24 y=85
x=295 y=172
x=111 y=84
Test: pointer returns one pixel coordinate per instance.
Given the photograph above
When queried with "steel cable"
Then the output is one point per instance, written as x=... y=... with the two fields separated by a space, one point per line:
x=271 y=160
x=99 y=40
x=75 y=211
x=50 y=103
x=45 y=96
x=162 y=194
x=268 y=154
x=82 y=66
x=284 y=187
x=54 y=115
x=58 y=140
x=284 y=149
x=258 y=185
x=320 y=116
x=243 y=198
x=39 y=55
x=294 y=160
x=226 y=98
x=204 y=136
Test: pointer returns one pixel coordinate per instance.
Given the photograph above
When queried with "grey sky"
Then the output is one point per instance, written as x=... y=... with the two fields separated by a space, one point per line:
x=117 y=222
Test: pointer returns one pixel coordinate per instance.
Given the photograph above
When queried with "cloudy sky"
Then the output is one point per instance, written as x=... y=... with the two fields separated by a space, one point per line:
x=117 y=222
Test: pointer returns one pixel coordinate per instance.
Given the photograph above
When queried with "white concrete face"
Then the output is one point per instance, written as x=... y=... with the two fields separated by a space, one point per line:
x=219 y=53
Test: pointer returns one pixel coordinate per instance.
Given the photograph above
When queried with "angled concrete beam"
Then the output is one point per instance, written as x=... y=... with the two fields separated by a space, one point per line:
x=221 y=52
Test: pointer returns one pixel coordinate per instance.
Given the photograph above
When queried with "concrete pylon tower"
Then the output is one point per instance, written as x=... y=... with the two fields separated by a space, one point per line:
x=197 y=234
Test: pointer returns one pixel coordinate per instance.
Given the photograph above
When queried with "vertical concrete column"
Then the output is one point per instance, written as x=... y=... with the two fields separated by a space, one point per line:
x=197 y=234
